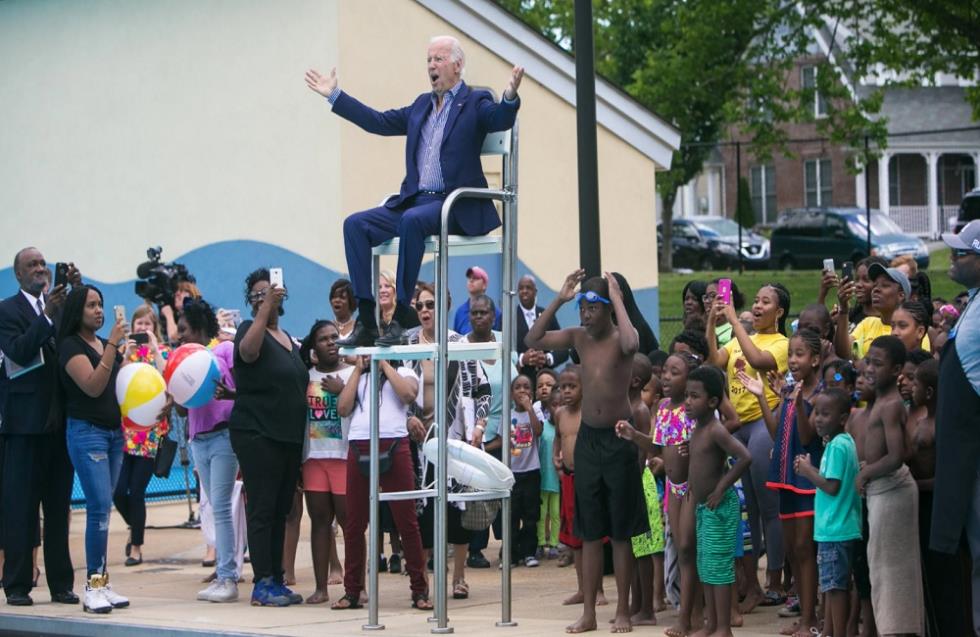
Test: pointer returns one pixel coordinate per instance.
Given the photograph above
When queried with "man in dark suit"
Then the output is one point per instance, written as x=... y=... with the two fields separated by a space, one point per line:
x=529 y=360
x=36 y=468
x=445 y=130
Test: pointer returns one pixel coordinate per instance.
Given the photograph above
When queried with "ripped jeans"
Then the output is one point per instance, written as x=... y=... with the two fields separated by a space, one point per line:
x=97 y=456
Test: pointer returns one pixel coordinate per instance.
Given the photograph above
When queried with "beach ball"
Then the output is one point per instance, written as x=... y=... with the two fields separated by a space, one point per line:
x=141 y=392
x=192 y=374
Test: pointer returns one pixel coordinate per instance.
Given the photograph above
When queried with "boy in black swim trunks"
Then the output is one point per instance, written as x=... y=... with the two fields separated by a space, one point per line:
x=608 y=494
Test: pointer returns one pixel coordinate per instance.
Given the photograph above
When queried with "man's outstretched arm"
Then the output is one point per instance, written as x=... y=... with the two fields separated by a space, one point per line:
x=390 y=122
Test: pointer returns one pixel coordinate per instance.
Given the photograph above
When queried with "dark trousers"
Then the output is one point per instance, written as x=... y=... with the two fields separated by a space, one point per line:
x=36 y=473
x=270 y=471
x=417 y=219
x=130 y=494
x=525 y=500
x=400 y=477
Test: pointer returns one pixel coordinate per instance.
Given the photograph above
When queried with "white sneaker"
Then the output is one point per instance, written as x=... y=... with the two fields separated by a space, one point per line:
x=114 y=598
x=225 y=590
x=205 y=595
x=94 y=601
x=531 y=561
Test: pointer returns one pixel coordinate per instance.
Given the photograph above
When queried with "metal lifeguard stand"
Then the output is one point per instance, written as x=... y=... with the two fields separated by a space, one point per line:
x=503 y=144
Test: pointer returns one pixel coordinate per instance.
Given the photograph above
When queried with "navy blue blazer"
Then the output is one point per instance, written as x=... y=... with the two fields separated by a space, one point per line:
x=30 y=403
x=474 y=114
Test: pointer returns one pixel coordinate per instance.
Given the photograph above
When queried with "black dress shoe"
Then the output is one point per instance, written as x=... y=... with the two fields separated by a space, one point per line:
x=476 y=560
x=19 y=599
x=362 y=336
x=64 y=597
x=406 y=316
x=393 y=335
x=136 y=561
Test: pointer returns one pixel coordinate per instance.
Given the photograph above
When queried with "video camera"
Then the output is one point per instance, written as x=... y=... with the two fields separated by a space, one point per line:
x=159 y=281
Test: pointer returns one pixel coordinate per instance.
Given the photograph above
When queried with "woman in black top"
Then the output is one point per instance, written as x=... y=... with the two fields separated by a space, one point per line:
x=267 y=427
x=89 y=365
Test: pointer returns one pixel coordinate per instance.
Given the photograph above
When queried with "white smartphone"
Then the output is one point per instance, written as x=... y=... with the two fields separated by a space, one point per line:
x=275 y=277
x=120 y=311
x=828 y=265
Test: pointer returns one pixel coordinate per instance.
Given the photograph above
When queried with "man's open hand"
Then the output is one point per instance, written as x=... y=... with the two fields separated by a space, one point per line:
x=516 y=75
x=324 y=85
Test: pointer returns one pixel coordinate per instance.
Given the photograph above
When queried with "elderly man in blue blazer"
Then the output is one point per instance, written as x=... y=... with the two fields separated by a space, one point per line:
x=445 y=129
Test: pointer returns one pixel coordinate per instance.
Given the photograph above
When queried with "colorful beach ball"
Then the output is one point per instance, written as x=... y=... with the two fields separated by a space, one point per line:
x=192 y=374
x=141 y=392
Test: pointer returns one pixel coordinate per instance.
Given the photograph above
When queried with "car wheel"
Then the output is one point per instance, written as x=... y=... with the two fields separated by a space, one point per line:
x=787 y=263
x=707 y=263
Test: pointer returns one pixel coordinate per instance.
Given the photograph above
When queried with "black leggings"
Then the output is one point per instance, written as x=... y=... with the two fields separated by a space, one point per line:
x=130 y=494
x=525 y=500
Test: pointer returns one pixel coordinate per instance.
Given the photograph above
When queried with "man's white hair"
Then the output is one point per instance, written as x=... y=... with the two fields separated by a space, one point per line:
x=455 y=48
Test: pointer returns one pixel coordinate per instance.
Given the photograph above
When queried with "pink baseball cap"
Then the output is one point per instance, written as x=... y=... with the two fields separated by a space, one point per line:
x=476 y=272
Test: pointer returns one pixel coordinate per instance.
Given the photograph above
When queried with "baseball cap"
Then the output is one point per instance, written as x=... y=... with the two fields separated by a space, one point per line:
x=896 y=275
x=476 y=272
x=966 y=239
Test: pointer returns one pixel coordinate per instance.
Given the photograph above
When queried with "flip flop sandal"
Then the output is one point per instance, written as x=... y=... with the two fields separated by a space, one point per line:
x=353 y=603
x=421 y=602
x=461 y=590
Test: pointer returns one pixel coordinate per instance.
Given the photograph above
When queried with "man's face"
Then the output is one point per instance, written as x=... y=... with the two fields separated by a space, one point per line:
x=444 y=73
x=32 y=271
x=964 y=268
x=476 y=285
x=527 y=292
x=881 y=371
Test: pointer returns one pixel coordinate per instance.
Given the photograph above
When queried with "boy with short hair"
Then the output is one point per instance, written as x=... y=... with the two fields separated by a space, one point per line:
x=711 y=486
x=837 y=506
x=609 y=498
x=893 y=499
x=525 y=431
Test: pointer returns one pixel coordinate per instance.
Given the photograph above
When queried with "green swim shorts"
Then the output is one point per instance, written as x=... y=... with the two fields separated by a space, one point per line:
x=717 y=531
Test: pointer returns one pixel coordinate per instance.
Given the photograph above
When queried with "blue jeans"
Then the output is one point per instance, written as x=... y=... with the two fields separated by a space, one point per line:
x=97 y=455
x=217 y=466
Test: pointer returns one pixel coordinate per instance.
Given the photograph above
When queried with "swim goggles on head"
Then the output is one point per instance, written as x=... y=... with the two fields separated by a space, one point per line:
x=590 y=297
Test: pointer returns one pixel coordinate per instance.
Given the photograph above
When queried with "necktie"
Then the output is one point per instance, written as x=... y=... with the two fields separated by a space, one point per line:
x=40 y=307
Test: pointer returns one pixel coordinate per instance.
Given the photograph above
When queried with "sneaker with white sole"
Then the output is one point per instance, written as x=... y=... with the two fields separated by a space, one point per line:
x=94 y=599
x=225 y=590
x=531 y=561
x=114 y=598
x=205 y=595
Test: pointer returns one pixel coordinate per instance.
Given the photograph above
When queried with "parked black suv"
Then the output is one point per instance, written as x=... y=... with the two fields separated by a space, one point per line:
x=698 y=250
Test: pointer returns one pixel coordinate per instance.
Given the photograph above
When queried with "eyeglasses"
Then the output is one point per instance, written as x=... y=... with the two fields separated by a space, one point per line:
x=591 y=297
x=425 y=305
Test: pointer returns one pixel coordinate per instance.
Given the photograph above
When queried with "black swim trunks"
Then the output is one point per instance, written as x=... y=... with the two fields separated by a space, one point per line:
x=609 y=498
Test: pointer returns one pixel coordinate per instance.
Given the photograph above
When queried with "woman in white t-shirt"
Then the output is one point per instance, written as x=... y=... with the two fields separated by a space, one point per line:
x=399 y=388
x=325 y=452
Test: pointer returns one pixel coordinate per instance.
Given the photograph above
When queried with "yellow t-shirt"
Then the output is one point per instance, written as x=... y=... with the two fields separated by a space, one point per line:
x=746 y=405
x=871 y=328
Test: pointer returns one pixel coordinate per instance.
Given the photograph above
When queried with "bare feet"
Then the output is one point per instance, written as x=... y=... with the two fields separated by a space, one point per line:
x=600 y=599
x=737 y=619
x=576 y=598
x=659 y=607
x=677 y=631
x=318 y=597
x=792 y=629
x=584 y=624
x=290 y=581
x=621 y=625
x=644 y=619
x=724 y=633
x=753 y=599
x=336 y=577
x=701 y=633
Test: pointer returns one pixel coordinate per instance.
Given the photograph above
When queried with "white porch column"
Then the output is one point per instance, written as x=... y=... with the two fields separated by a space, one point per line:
x=859 y=192
x=932 y=183
x=713 y=184
x=883 y=191
x=691 y=198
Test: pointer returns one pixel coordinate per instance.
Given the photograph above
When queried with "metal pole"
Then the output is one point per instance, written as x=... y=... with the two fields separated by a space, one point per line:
x=738 y=201
x=374 y=522
x=440 y=363
x=867 y=194
x=509 y=258
x=588 y=172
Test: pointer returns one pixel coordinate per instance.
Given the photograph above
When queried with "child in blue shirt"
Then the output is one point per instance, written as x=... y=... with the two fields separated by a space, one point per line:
x=837 y=506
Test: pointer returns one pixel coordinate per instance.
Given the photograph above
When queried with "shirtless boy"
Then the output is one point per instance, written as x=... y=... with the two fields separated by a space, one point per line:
x=608 y=494
x=568 y=419
x=711 y=487
x=893 y=499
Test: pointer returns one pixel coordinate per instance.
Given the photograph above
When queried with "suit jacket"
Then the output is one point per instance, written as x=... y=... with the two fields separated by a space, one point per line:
x=474 y=114
x=521 y=329
x=32 y=402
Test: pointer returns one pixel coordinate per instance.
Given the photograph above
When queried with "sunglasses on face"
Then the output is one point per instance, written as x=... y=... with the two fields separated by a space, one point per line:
x=425 y=305
x=590 y=297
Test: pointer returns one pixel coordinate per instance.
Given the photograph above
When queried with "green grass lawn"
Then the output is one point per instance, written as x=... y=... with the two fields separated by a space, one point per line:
x=802 y=284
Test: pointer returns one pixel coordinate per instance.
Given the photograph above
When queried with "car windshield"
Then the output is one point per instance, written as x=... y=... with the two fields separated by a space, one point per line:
x=881 y=224
x=720 y=227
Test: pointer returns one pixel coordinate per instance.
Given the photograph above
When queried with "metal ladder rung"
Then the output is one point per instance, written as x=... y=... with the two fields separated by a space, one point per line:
x=459 y=245
x=388 y=496
x=476 y=496
x=457 y=351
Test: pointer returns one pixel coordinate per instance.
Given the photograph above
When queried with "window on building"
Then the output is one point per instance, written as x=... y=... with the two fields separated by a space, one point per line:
x=817 y=182
x=810 y=83
x=763 y=189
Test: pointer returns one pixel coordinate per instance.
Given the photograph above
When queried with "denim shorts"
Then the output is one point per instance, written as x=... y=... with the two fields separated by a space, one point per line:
x=834 y=563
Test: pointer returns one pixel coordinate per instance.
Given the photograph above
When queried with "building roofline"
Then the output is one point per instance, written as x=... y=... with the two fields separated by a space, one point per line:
x=506 y=36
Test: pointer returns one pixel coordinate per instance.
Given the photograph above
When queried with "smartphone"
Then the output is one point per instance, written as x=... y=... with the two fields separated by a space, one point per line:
x=725 y=290
x=849 y=270
x=275 y=277
x=828 y=265
x=140 y=338
x=120 y=311
x=60 y=274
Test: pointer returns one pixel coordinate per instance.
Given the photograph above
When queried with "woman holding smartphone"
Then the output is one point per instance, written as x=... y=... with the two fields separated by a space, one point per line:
x=140 y=444
x=89 y=365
